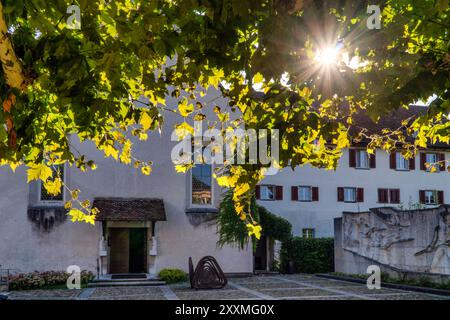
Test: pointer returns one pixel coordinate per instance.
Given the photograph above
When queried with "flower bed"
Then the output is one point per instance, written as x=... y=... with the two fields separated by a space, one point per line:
x=39 y=280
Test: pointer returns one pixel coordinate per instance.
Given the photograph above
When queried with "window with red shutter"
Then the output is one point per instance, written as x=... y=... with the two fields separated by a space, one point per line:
x=294 y=193
x=423 y=160
x=315 y=193
x=393 y=160
x=442 y=161
x=279 y=193
x=340 y=194
x=412 y=163
x=258 y=192
x=360 y=195
x=394 y=195
x=422 y=196
x=382 y=195
x=373 y=160
x=352 y=158
x=440 y=196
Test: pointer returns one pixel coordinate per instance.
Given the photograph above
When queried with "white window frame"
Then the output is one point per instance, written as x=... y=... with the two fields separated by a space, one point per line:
x=267 y=186
x=310 y=233
x=431 y=194
x=201 y=205
x=355 y=195
x=401 y=163
x=359 y=154
x=433 y=163
x=300 y=193
x=63 y=190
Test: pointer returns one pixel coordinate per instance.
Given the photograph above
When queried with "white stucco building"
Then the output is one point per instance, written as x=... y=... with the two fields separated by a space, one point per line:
x=152 y=222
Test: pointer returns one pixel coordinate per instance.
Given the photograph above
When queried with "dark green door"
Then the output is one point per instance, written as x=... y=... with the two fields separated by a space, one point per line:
x=138 y=249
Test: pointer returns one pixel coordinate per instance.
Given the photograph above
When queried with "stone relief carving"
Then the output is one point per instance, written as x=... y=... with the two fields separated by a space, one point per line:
x=439 y=245
x=399 y=238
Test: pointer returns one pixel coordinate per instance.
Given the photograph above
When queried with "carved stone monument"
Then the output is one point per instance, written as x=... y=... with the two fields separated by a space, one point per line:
x=416 y=241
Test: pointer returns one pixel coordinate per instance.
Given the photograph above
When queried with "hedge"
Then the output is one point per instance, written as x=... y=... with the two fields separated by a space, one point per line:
x=309 y=255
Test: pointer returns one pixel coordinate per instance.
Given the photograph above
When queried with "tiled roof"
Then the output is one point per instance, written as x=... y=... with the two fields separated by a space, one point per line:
x=130 y=209
x=391 y=121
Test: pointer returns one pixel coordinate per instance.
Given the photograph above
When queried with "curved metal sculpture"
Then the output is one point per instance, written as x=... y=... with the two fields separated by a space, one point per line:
x=207 y=274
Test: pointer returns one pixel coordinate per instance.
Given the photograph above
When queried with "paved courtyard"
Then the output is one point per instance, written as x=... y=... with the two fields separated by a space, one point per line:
x=299 y=287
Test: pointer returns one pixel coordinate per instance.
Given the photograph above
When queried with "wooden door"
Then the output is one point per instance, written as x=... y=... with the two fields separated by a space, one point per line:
x=119 y=240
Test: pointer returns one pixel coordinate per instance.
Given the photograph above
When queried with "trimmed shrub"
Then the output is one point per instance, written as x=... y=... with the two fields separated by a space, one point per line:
x=309 y=255
x=170 y=275
x=37 y=280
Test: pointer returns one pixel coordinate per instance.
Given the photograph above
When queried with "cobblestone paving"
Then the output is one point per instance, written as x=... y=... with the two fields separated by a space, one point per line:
x=291 y=287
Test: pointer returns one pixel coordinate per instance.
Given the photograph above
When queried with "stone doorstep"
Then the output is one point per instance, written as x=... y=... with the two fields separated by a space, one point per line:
x=389 y=285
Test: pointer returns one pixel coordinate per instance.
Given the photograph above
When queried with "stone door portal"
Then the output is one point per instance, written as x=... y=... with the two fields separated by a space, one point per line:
x=128 y=250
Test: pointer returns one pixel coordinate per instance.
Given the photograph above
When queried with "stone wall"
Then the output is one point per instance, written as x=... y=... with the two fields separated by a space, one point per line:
x=412 y=241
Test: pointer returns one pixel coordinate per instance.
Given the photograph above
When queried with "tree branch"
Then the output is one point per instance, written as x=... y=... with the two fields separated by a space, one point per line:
x=12 y=67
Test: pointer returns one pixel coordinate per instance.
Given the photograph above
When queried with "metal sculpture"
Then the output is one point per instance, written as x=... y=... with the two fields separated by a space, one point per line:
x=207 y=274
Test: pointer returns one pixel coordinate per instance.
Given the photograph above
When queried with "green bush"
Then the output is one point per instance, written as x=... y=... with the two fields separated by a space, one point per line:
x=309 y=255
x=46 y=279
x=274 y=226
x=170 y=275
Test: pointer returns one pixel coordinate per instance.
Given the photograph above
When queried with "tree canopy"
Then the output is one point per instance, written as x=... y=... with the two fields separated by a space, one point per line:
x=59 y=81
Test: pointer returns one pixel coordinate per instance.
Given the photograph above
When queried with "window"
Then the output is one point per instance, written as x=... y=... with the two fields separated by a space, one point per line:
x=308 y=233
x=267 y=193
x=201 y=184
x=430 y=197
x=304 y=193
x=432 y=159
x=362 y=159
x=388 y=195
x=401 y=162
x=44 y=196
x=349 y=194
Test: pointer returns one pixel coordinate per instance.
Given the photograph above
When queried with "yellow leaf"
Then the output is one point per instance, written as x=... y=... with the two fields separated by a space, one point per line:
x=185 y=108
x=39 y=171
x=68 y=205
x=146 y=121
x=258 y=78
x=109 y=150
x=146 y=170
x=53 y=187
x=254 y=230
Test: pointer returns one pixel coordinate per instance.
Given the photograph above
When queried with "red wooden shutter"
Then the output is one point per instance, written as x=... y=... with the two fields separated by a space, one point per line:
x=360 y=195
x=394 y=195
x=279 y=193
x=440 y=196
x=393 y=160
x=352 y=158
x=315 y=193
x=373 y=160
x=442 y=161
x=412 y=163
x=423 y=160
x=258 y=192
x=340 y=194
x=422 y=196
x=382 y=196
x=294 y=193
